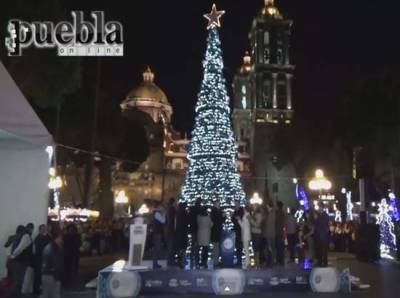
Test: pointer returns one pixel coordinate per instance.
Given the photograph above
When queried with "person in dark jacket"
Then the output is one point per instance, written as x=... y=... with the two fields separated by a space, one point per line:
x=41 y=241
x=159 y=220
x=321 y=234
x=217 y=218
x=72 y=244
x=171 y=229
x=182 y=231
x=19 y=260
x=280 y=220
x=53 y=266
x=238 y=213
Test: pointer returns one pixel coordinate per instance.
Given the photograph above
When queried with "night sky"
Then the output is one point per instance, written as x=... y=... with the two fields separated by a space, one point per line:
x=333 y=43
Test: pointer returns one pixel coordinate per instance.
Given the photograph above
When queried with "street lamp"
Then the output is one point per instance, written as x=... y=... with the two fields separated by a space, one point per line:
x=319 y=182
x=121 y=198
x=256 y=199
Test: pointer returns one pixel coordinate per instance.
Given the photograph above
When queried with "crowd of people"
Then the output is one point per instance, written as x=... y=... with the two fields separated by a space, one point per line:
x=37 y=264
x=264 y=235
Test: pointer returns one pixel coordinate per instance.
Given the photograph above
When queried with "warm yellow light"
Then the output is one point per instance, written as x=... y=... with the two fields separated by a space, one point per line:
x=55 y=182
x=319 y=182
x=143 y=209
x=121 y=198
x=52 y=171
x=256 y=199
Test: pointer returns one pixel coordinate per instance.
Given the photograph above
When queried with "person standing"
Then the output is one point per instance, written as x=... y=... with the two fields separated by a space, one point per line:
x=72 y=244
x=53 y=266
x=256 y=220
x=244 y=222
x=182 y=232
x=204 y=225
x=279 y=234
x=217 y=218
x=41 y=241
x=171 y=228
x=269 y=234
x=237 y=214
x=309 y=235
x=291 y=233
x=159 y=220
x=322 y=237
x=19 y=259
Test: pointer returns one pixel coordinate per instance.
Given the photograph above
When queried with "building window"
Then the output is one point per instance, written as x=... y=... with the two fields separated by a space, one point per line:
x=266 y=98
x=279 y=56
x=281 y=93
x=266 y=37
x=177 y=164
x=244 y=102
x=266 y=56
x=242 y=132
x=244 y=97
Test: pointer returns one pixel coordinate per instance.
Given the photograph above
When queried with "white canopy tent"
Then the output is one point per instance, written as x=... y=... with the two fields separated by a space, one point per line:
x=24 y=163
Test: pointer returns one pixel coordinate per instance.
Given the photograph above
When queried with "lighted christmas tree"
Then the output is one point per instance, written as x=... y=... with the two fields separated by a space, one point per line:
x=212 y=174
x=386 y=227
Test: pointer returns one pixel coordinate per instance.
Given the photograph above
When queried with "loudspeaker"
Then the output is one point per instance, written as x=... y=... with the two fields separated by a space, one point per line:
x=325 y=280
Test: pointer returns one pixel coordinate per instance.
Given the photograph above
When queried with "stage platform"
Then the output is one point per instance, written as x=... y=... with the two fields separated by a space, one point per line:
x=118 y=281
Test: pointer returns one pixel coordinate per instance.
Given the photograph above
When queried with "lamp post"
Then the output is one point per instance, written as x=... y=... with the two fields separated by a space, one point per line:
x=256 y=199
x=121 y=199
x=320 y=183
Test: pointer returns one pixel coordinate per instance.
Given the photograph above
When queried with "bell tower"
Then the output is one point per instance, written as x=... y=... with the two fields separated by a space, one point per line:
x=272 y=71
x=264 y=84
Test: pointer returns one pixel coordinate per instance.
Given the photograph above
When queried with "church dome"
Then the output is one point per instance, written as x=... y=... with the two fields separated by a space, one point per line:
x=270 y=10
x=148 y=90
x=148 y=98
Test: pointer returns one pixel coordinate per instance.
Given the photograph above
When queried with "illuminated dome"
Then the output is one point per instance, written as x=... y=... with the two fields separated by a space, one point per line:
x=149 y=98
x=148 y=89
x=270 y=10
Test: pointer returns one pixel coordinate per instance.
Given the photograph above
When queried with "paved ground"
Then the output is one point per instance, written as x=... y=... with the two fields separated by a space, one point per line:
x=384 y=278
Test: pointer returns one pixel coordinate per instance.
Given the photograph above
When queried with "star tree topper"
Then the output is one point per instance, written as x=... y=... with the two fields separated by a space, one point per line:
x=214 y=17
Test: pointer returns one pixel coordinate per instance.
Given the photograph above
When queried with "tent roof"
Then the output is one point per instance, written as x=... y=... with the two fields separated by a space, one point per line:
x=17 y=118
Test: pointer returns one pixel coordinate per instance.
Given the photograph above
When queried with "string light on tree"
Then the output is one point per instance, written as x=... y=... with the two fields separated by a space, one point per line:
x=349 y=206
x=393 y=207
x=212 y=174
x=386 y=227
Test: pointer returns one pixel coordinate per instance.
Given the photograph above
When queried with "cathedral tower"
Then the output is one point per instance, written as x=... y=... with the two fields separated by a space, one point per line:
x=263 y=100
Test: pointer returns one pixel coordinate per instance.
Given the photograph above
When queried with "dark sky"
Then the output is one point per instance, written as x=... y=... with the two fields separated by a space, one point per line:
x=333 y=42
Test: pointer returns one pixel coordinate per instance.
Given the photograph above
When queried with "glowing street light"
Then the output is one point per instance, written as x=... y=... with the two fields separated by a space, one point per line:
x=256 y=199
x=319 y=182
x=121 y=198
x=55 y=182
x=143 y=210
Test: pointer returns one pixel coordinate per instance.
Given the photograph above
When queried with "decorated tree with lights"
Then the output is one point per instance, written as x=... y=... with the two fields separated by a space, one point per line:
x=386 y=227
x=212 y=175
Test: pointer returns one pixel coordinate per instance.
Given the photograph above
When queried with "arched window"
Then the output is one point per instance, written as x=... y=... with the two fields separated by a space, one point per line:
x=266 y=38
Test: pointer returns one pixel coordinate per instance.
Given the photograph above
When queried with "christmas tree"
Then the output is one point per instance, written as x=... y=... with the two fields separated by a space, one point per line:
x=386 y=227
x=212 y=174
